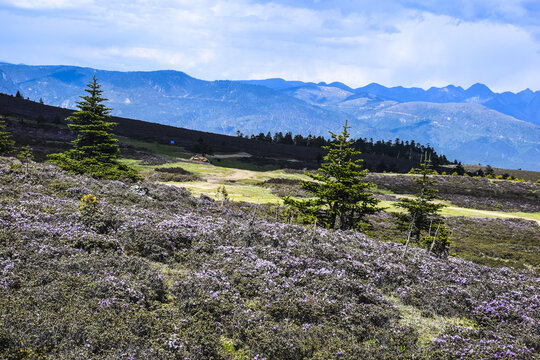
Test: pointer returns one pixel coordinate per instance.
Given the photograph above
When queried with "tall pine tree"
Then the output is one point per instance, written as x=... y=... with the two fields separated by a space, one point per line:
x=341 y=195
x=95 y=150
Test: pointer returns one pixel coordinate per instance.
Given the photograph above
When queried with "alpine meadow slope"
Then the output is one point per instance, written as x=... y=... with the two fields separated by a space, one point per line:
x=500 y=129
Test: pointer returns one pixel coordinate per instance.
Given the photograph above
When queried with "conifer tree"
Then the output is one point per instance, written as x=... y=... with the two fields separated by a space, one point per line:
x=25 y=155
x=6 y=142
x=341 y=195
x=421 y=216
x=95 y=150
x=94 y=139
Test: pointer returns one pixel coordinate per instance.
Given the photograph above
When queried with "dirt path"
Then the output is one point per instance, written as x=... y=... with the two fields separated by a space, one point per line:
x=234 y=174
x=227 y=156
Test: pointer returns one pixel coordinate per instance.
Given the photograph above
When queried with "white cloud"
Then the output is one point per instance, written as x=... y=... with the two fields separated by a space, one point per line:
x=47 y=4
x=159 y=56
x=409 y=42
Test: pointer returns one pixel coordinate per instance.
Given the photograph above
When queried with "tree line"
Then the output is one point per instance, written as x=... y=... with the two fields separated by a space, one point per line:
x=396 y=148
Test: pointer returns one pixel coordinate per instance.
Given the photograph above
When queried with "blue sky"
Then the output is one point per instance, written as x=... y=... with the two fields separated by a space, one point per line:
x=393 y=42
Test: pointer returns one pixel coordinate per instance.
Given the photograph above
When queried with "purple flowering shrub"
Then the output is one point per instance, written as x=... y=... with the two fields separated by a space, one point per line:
x=173 y=277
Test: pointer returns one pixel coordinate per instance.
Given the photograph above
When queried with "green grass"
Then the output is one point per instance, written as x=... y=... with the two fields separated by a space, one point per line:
x=428 y=325
x=532 y=216
x=157 y=148
x=237 y=192
x=242 y=185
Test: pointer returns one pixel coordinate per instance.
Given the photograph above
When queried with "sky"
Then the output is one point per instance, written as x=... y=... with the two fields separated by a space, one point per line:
x=392 y=42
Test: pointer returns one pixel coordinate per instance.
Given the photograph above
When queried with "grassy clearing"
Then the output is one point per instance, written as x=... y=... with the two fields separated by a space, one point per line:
x=243 y=185
x=237 y=192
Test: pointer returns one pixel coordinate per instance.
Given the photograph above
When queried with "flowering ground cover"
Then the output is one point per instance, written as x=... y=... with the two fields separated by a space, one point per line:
x=146 y=271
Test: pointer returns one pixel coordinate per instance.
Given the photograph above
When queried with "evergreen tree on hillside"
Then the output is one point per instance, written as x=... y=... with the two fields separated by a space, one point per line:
x=421 y=216
x=6 y=142
x=95 y=150
x=341 y=196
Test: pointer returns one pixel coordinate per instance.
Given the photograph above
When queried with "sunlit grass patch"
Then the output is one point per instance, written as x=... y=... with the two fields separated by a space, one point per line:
x=428 y=325
x=229 y=347
x=237 y=192
x=532 y=216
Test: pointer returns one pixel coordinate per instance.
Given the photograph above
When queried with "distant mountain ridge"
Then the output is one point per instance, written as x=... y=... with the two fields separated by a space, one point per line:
x=524 y=105
x=472 y=125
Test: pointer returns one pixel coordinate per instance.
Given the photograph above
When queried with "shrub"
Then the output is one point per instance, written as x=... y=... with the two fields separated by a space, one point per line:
x=25 y=155
x=95 y=218
x=223 y=193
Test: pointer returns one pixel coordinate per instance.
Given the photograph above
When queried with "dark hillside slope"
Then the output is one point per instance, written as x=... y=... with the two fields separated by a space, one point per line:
x=158 y=274
x=147 y=131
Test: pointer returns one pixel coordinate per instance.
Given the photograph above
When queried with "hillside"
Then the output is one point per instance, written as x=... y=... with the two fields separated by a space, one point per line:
x=175 y=98
x=154 y=273
x=51 y=135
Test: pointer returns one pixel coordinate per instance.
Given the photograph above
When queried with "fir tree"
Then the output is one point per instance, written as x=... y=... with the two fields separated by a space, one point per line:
x=341 y=196
x=460 y=169
x=94 y=139
x=95 y=150
x=421 y=216
x=25 y=155
x=6 y=142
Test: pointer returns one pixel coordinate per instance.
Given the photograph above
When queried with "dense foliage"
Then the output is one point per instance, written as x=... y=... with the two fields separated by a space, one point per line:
x=95 y=150
x=341 y=196
x=147 y=271
x=398 y=148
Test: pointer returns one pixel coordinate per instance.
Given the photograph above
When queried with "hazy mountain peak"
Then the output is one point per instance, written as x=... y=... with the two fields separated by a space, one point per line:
x=479 y=88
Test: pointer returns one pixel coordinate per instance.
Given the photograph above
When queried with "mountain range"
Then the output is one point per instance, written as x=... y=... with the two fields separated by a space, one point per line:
x=474 y=125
